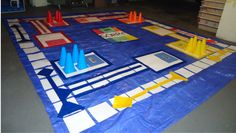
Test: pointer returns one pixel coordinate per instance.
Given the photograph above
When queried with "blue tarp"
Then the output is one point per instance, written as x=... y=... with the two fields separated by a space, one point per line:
x=153 y=114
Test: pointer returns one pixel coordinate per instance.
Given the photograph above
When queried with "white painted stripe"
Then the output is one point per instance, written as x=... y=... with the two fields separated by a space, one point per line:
x=100 y=84
x=115 y=78
x=95 y=79
x=140 y=68
x=135 y=65
x=77 y=84
x=115 y=71
x=43 y=26
x=36 y=26
x=127 y=73
x=81 y=90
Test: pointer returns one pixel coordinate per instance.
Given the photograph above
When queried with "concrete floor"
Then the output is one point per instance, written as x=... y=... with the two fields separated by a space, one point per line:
x=22 y=109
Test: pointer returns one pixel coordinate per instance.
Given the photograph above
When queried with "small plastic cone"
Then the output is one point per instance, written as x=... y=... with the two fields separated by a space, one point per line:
x=189 y=47
x=56 y=15
x=62 y=60
x=134 y=16
x=49 y=17
x=130 y=16
x=82 y=64
x=197 y=51
x=203 y=47
x=140 y=17
x=194 y=42
x=60 y=16
x=69 y=66
x=75 y=54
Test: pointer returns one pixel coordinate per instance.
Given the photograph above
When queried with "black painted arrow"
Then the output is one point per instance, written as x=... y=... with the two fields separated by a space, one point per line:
x=67 y=107
x=23 y=39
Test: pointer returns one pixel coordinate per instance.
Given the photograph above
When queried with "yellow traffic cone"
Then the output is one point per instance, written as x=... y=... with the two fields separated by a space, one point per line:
x=189 y=47
x=194 y=43
x=203 y=47
x=197 y=50
x=134 y=16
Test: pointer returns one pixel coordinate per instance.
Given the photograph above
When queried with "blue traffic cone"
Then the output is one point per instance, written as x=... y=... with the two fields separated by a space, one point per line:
x=75 y=54
x=69 y=67
x=62 y=60
x=82 y=64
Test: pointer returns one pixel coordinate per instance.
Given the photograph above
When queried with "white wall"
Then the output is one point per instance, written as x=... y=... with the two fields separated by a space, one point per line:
x=227 y=26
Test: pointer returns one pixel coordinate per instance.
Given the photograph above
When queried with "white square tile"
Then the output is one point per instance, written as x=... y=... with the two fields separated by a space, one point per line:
x=45 y=83
x=222 y=45
x=226 y=55
x=26 y=44
x=57 y=80
x=52 y=96
x=232 y=47
x=31 y=50
x=72 y=100
x=37 y=56
x=160 y=79
x=201 y=64
x=40 y=63
x=136 y=91
x=193 y=68
x=207 y=61
x=147 y=85
x=57 y=106
x=169 y=84
x=184 y=72
x=102 y=111
x=78 y=122
x=153 y=91
x=176 y=80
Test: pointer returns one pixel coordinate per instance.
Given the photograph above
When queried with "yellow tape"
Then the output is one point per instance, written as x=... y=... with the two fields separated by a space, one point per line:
x=121 y=102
